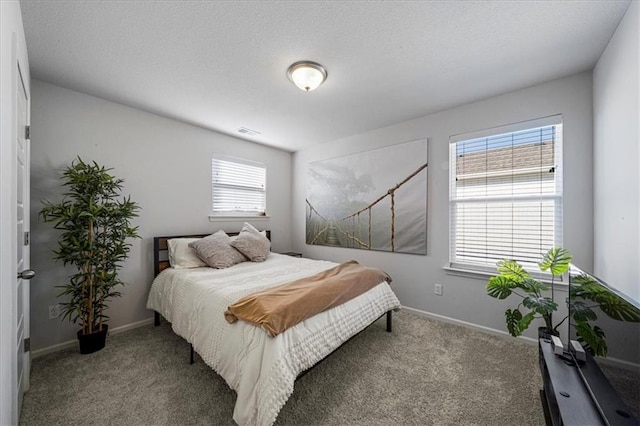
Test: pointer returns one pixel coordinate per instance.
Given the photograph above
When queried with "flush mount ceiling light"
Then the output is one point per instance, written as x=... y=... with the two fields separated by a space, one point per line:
x=307 y=75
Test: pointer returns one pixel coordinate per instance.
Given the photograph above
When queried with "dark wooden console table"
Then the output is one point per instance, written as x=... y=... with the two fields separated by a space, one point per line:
x=567 y=401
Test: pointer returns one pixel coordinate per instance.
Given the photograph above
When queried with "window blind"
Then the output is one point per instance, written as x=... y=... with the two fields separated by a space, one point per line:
x=505 y=198
x=238 y=186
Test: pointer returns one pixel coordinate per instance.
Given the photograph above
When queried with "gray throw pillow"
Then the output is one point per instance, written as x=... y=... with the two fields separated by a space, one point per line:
x=252 y=244
x=216 y=251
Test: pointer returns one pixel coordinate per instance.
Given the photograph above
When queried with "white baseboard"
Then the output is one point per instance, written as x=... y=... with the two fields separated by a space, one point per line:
x=74 y=343
x=54 y=348
x=482 y=328
x=131 y=326
x=614 y=362
x=620 y=363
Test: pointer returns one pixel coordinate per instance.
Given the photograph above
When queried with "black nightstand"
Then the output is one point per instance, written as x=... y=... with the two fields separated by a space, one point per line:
x=292 y=254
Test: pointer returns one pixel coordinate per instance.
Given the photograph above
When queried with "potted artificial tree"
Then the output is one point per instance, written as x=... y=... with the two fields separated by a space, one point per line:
x=95 y=221
x=584 y=295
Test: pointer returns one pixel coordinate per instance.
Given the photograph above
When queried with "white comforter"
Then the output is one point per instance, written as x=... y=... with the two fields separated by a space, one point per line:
x=261 y=369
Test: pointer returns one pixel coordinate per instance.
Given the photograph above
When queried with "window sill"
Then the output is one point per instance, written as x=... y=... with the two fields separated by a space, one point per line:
x=484 y=275
x=216 y=218
x=469 y=273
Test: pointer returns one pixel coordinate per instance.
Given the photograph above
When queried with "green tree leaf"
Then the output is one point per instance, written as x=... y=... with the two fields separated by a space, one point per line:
x=500 y=287
x=512 y=270
x=525 y=321
x=581 y=312
x=532 y=286
x=541 y=305
x=591 y=338
x=513 y=318
x=556 y=260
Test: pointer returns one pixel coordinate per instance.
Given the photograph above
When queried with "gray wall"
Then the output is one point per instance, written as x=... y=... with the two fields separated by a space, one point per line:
x=166 y=165
x=616 y=139
x=464 y=298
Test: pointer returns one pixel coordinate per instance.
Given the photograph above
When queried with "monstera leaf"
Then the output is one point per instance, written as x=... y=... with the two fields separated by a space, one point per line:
x=512 y=270
x=516 y=322
x=584 y=286
x=556 y=261
x=532 y=286
x=581 y=312
x=513 y=318
x=524 y=323
x=618 y=308
x=542 y=305
x=500 y=287
x=592 y=338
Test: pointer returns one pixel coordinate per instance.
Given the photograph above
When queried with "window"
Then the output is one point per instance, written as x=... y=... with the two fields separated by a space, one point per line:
x=505 y=194
x=238 y=187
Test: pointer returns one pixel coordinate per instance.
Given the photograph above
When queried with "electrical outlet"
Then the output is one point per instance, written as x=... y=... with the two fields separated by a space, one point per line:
x=54 y=311
x=438 y=289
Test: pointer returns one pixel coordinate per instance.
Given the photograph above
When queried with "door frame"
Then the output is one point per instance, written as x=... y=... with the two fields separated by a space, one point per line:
x=22 y=84
x=13 y=52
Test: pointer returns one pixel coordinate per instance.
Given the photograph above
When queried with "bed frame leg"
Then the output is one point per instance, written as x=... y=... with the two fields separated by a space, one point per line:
x=389 y=327
x=156 y=318
x=191 y=355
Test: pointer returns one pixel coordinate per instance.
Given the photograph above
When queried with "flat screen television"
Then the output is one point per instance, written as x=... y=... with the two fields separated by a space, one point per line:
x=606 y=322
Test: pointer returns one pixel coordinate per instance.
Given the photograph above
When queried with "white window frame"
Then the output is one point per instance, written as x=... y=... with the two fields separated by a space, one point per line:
x=217 y=213
x=456 y=266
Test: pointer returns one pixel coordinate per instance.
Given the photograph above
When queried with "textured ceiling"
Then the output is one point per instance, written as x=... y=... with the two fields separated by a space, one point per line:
x=222 y=65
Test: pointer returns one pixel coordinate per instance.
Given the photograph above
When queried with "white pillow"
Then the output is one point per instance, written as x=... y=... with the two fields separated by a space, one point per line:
x=247 y=227
x=233 y=237
x=252 y=243
x=181 y=256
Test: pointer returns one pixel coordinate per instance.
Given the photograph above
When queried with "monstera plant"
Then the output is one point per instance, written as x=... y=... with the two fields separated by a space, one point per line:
x=537 y=300
x=514 y=279
x=95 y=221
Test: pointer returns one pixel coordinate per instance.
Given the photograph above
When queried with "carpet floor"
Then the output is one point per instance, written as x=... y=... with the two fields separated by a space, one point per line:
x=425 y=372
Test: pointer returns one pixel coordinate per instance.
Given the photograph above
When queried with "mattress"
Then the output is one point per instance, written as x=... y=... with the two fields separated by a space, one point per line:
x=261 y=369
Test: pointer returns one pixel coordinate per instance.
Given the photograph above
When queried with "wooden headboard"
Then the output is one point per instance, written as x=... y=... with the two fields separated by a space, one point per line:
x=161 y=249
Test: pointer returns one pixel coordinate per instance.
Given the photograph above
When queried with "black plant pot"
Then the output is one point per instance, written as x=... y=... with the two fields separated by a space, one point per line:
x=90 y=343
x=543 y=333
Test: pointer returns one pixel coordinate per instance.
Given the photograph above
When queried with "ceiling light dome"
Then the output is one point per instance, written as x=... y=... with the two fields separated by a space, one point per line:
x=307 y=75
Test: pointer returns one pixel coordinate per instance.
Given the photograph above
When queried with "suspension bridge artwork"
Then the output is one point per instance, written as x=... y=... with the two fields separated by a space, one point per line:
x=373 y=200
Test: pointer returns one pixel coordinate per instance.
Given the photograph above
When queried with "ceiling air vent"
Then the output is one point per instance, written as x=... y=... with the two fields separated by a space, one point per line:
x=247 y=132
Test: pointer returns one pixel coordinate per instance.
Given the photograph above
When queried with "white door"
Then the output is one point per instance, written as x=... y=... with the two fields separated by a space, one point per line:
x=22 y=194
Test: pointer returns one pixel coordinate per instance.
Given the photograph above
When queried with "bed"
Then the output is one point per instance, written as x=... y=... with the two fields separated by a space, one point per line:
x=261 y=369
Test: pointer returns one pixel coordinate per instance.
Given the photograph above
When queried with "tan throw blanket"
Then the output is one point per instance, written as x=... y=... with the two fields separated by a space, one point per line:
x=278 y=308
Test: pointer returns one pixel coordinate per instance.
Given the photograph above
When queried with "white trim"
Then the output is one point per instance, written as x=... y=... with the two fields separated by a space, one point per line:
x=509 y=128
x=233 y=159
x=506 y=198
x=619 y=363
x=469 y=273
x=216 y=218
x=561 y=283
x=74 y=343
x=499 y=333
x=614 y=362
x=220 y=187
x=488 y=330
x=504 y=172
x=555 y=199
x=55 y=348
x=131 y=326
